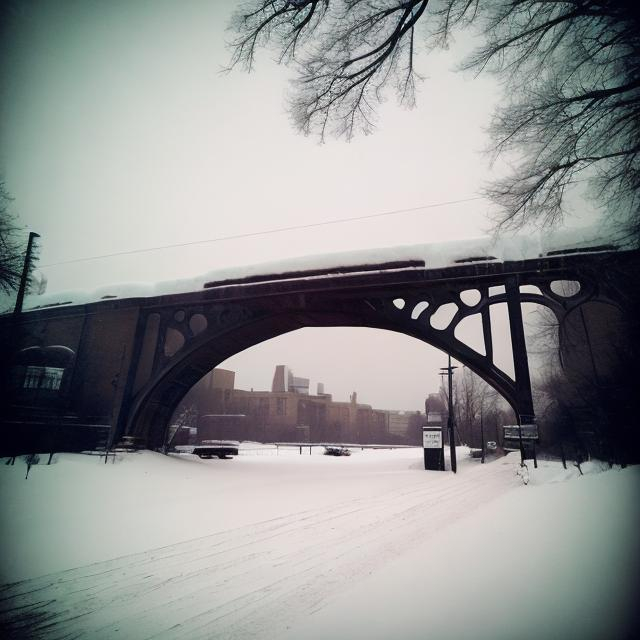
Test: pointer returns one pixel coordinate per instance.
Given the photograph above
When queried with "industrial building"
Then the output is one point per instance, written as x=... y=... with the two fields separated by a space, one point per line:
x=289 y=413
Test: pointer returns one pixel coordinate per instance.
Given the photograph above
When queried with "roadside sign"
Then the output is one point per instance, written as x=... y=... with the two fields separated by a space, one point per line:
x=432 y=439
x=512 y=432
x=433 y=448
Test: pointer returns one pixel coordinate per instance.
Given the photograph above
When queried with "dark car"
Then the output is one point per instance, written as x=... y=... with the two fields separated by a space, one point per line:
x=223 y=449
x=336 y=451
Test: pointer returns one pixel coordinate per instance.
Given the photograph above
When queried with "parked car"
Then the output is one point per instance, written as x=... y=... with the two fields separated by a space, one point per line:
x=220 y=448
x=336 y=451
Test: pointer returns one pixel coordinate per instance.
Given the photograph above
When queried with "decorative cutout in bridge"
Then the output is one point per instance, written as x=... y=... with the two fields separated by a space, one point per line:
x=469 y=332
x=198 y=323
x=443 y=316
x=419 y=309
x=470 y=297
x=531 y=289
x=565 y=288
x=174 y=341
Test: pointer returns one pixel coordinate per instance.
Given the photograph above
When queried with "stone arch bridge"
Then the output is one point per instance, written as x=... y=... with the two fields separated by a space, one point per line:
x=127 y=363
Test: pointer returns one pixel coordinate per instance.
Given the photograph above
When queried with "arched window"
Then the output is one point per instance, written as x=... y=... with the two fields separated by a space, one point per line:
x=43 y=367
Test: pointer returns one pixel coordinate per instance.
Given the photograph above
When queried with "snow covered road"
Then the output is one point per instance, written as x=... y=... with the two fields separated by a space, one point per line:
x=238 y=582
x=284 y=547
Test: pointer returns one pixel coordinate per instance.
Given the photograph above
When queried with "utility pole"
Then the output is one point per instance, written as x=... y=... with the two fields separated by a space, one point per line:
x=448 y=371
x=25 y=273
x=482 y=433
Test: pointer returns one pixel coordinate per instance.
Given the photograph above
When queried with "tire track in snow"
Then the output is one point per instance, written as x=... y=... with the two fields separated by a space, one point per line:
x=237 y=583
x=314 y=592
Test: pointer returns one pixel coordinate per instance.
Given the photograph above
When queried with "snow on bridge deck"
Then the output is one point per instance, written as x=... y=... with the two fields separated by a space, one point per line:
x=419 y=256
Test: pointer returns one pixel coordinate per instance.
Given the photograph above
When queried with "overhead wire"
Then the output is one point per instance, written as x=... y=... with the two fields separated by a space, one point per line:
x=253 y=234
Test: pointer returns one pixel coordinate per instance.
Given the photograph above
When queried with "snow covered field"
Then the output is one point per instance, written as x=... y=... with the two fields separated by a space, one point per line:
x=310 y=546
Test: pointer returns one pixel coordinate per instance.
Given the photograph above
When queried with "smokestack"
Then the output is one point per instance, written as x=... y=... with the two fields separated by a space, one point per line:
x=279 y=384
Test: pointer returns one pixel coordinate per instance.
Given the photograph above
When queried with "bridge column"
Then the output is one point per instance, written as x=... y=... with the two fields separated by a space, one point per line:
x=524 y=396
x=119 y=429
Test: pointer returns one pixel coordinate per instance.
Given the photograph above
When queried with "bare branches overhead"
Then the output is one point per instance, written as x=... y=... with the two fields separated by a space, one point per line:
x=571 y=69
x=284 y=24
x=10 y=247
x=369 y=47
x=346 y=54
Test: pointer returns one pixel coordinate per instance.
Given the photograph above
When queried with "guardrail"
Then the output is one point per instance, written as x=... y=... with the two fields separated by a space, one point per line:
x=303 y=447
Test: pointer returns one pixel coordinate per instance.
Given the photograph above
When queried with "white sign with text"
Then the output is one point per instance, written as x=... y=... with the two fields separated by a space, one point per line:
x=432 y=439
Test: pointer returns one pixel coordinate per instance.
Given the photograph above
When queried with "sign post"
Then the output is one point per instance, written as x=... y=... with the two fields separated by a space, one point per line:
x=448 y=371
x=523 y=437
x=433 y=446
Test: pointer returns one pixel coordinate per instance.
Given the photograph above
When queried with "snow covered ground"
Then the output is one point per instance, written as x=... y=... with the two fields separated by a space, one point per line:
x=310 y=546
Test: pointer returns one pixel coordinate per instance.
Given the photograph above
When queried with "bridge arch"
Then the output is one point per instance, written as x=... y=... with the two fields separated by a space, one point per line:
x=230 y=318
x=153 y=406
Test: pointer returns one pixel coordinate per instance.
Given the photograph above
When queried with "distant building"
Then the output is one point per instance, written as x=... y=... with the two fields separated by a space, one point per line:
x=398 y=423
x=404 y=425
x=285 y=381
x=288 y=413
x=213 y=392
x=280 y=379
x=299 y=385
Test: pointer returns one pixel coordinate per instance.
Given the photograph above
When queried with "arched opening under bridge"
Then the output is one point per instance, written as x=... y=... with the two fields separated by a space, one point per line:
x=151 y=415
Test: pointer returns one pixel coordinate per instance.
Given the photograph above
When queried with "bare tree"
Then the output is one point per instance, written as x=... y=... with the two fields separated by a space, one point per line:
x=186 y=415
x=475 y=400
x=467 y=403
x=585 y=392
x=354 y=49
x=10 y=247
x=571 y=68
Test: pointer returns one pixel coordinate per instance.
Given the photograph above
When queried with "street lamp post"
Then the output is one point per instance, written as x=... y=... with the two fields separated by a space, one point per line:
x=482 y=432
x=448 y=371
x=25 y=273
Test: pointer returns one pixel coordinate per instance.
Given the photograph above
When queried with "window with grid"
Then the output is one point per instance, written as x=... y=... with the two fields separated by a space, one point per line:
x=43 y=378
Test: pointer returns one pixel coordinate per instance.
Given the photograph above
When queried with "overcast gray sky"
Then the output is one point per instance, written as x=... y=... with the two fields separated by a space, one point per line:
x=120 y=133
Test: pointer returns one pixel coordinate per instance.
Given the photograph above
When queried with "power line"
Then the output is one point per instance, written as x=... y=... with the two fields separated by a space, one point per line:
x=263 y=233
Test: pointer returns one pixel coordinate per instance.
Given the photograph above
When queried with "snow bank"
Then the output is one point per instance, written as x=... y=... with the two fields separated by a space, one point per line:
x=434 y=255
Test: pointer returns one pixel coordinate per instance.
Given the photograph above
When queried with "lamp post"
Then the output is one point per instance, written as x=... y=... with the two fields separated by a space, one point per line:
x=25 y=273
x=482 y=432
x=448 y=371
